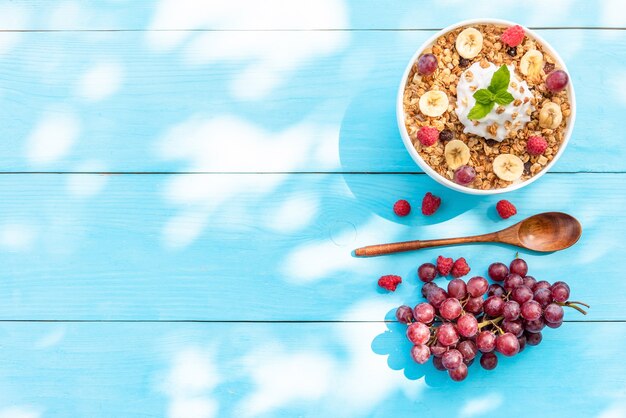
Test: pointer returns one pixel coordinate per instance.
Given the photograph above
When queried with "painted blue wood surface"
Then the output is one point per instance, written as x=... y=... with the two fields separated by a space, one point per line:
x=305 y=101
x=287 y=370
x=286 y=15
x=276 y=246
x=258 y=88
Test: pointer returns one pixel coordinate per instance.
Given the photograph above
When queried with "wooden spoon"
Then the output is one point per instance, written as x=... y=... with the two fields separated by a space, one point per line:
x=545 y=232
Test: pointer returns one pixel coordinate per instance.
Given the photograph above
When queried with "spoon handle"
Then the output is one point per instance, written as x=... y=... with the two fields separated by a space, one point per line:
x=397 y=247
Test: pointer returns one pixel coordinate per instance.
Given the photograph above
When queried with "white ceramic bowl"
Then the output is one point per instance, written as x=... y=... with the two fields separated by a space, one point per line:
x=432 y=173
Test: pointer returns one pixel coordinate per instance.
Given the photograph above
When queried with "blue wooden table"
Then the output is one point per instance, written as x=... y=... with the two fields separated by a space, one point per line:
x=183 y=181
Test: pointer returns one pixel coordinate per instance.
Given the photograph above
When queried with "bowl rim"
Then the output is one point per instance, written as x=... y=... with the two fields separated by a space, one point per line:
x=427 y=168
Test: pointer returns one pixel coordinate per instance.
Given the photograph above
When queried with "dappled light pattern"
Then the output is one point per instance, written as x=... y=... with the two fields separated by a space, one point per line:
x=284 y=379
x=52 y=137
x=20 y=412
x=189 y=384
x=269 y=55
x=184 y=187
x=200 y=142
x=100 y=82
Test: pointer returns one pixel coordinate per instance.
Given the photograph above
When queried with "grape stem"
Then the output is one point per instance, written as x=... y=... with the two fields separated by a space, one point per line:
x=431 y=340
x=578 y=303
x=493 y=322
x=498 y=328
x=570 y=305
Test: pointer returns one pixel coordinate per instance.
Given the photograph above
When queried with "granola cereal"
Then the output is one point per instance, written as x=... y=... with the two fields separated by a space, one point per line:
x=465 y=95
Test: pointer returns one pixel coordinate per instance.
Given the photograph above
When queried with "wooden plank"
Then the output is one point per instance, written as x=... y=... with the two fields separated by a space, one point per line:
x=271 y=247
x=327 y=14
x=251 y=101
x=285 y=370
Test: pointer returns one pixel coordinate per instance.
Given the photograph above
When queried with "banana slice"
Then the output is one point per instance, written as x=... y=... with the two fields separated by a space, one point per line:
x=434 y=103
x=456 y=153
x=469 y=43
x=550 y=116
x=508 y=167
x=531 y=64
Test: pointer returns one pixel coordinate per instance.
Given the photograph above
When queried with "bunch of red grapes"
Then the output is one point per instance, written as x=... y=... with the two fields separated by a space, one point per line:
x=454 y=326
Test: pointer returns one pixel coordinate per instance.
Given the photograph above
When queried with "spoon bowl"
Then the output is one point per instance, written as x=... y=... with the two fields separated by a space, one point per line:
x=544 y=232
x=547 y=232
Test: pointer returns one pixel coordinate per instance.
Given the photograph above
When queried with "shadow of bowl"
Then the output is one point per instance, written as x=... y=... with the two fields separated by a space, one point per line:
x=369 y=143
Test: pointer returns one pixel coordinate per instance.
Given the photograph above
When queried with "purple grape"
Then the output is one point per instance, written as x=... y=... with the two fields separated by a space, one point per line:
x=467 y=325
x=474 y=305
x=554 y=324
x=437 y=349
x=533 y=338
x=522 y=343
x=560 y=283
x=427 y=272
x=553 y=313
x=557 y=80
x=493 y=306
x=522 y=294
x=452 y=359
x=468 y=362
x=436 y=296
x=488 y=361
x=427 y=64
x=512 y=281
x=513 y=327
x=450 y=309
x=420 y=353
x=543 y=296
x=477 y=286
x=458 y=374
x=404 y=314
x=457 y=289
x=464 y=175
x=511 y=310
x=418 y=333
x=468 y=349
x=427 y=287
x=507 y=344
x=531 y=310
x=542 y=284
x=534 y=326
x=498 y=272
x=424 y=312
x=438 y=364
x=518 y=266
x=560 y=292
x=495 y=290
x=530 y=281
x=486 y=341
x=447 y=335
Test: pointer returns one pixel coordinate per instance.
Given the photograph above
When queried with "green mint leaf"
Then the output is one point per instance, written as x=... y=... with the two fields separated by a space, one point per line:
x=484 y=96
x=504 y=98
x=479 y=111
x=500 y=80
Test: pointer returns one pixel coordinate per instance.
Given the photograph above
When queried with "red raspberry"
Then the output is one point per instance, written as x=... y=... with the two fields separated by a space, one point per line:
x=505 y=209
x=389 y=282
x=444 y=265
x=460 y=268
x=402 y=208
x=513 y=36
x=536 y=145
x=430 y=204
x=428 y=135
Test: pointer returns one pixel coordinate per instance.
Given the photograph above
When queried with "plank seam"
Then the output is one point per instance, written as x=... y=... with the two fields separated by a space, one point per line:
x=607 y=28
x=244 y=321
x=263 y=172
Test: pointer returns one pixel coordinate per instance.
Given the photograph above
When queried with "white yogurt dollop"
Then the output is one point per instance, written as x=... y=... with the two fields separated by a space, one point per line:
x=507 y=119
